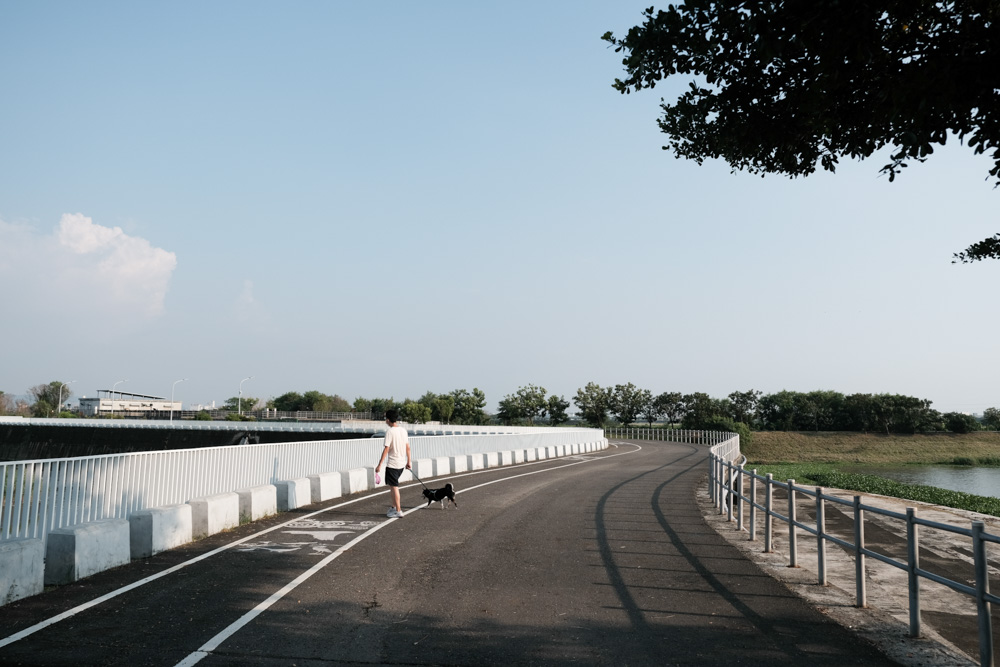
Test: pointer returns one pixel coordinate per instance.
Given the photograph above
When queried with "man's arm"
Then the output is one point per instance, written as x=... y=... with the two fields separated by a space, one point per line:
x=408 y=466
x=381 y=459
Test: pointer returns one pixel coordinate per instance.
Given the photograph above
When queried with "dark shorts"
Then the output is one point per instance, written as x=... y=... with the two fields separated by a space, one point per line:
x=392 y=476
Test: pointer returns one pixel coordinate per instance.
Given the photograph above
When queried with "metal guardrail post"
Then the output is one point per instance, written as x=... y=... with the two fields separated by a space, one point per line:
x=912 y=565
x=722 y=486
x=860 y=577
x=768 y=519
x=793 y=560
x=820 y=536
x=982 y=590
x=739 y=500
x=731 y=488
x=753 y=505
x=711 y=476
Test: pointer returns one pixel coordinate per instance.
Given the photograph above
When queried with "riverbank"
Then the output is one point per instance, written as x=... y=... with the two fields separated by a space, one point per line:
x=839 y=447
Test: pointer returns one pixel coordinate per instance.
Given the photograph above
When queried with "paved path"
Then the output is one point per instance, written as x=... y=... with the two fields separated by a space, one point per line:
x=598 y=559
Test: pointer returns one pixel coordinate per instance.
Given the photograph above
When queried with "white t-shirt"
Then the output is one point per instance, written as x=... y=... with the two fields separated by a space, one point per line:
x=396 y=439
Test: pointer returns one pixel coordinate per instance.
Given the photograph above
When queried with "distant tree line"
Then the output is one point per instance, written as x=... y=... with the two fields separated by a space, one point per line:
x=781 y=411
x=622 y=404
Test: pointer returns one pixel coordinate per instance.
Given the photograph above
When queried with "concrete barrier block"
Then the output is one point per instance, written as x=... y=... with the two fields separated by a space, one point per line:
x=75 y=552
x=505 y=458
x=22 y=569
x=423 y=468
x=491 y=459
x=159 y=528
x=442 y=466
x=293 y=494
x=550 y=452
x=458 y=464
x=541 y=453
x=517 y=456
x=356 y=480
x=324 y=486
x=214 y=514
x=257 y=502
x=474 y=462
x=530 y=455
x=370 y=478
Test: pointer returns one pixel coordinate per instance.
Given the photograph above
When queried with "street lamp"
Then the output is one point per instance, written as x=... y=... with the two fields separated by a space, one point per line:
x=113 y=396
x=172 y=397
x=239 y=401
x=59 y=404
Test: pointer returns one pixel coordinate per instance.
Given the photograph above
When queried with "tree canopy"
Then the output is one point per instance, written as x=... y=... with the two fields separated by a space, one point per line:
x=784 y=86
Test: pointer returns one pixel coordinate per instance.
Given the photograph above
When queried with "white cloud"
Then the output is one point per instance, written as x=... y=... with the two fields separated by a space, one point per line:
x=103 y=269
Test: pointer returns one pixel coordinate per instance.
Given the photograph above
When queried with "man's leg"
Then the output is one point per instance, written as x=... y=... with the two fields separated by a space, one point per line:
x=395 y=499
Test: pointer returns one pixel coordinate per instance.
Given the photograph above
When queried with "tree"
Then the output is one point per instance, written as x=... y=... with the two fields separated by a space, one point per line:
x=700 y=409
x=627 y=401
x=593 y=404
x=744 y=404
x=670 y=405
x=414 y=412
x=956 y=422
x=470 y=407
x=291 y=401
x=650 y=409
x=991 y=418
x=557 y=410
x=7 y=405
x=527 y=404
x=47 y=397
x=235 y=403
x=781 y=86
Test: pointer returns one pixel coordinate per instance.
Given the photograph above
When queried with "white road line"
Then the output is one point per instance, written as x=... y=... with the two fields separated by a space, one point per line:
x=217 y=640
x=17 y=636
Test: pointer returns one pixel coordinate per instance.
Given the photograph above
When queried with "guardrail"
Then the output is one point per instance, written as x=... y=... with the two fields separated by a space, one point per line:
x=669 y=435
x=39 y=496
x=727 y=490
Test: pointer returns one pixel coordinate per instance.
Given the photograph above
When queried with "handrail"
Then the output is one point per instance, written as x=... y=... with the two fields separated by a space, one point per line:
x=726 y=487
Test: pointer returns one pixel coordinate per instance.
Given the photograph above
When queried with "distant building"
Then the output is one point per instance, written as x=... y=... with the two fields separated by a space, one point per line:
x=110 y=402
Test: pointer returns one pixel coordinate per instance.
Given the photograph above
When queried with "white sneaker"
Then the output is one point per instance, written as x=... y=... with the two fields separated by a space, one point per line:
x=394 y=514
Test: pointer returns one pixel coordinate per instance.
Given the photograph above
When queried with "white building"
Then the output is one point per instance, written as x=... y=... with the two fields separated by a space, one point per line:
x=125 y=404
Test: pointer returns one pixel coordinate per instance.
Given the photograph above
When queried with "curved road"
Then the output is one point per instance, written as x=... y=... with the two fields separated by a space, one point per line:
x=596 y=559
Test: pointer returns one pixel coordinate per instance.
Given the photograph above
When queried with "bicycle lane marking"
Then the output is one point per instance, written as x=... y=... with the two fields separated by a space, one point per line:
x=206 y=649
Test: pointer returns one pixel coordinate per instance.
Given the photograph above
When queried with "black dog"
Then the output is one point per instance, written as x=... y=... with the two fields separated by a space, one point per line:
x=439 y=495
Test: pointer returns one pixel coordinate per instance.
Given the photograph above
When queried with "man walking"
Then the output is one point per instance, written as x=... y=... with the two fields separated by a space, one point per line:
x=397 y=449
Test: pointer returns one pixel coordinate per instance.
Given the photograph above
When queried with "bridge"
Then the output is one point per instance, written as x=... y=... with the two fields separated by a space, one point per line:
x=592 y=556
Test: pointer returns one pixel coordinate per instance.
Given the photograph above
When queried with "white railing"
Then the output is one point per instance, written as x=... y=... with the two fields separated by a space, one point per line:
x=669 y=435
x=39 y=496
x=728 y=486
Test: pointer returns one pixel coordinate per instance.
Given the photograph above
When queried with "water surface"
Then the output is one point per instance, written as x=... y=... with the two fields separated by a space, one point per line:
x=969 y=479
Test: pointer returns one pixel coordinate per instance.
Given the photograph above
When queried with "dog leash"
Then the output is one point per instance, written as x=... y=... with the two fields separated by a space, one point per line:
x=418 y=479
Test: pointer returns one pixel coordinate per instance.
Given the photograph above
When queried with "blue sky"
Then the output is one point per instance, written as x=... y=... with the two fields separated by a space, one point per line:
x=392 y=198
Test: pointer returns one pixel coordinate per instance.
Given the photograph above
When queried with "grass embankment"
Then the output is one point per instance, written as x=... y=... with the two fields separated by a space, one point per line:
x=818 y=457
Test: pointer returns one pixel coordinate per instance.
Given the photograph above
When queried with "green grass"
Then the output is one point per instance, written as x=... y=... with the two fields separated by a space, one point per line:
x=829 y=475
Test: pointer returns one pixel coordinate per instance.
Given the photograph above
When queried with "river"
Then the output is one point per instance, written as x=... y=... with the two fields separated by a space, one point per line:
x=969 y=479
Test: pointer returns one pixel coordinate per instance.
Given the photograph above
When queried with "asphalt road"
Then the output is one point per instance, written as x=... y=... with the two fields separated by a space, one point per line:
x=596 y=559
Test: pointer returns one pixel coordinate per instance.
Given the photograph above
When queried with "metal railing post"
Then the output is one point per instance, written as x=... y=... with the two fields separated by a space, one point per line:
x=711 y=476
x=739 y=500
x=912 y=565
x=753 y=505
x=860 y=577
x=820 y=536
x=793 y=560
x=768 y=519
x=731 y=479
x=982 y=590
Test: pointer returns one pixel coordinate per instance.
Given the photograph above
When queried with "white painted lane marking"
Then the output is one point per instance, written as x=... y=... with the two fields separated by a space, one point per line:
x=17 y=636
x=214 y=643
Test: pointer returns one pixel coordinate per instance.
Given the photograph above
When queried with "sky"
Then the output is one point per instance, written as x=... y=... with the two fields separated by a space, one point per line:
x=385 y=199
